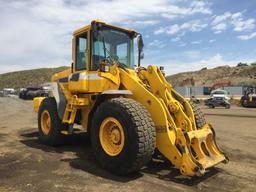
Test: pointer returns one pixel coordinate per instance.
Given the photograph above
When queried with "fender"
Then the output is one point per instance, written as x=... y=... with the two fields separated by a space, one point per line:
x=60 y=98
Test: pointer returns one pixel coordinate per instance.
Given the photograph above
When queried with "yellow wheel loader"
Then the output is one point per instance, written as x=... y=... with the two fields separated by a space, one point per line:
x=129 y=111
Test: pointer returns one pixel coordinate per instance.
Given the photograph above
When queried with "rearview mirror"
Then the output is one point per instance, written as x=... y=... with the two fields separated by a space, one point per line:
x=140 y=48
x=140 y=43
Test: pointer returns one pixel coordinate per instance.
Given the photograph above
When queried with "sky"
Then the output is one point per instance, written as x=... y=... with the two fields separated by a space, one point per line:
x=181 y=35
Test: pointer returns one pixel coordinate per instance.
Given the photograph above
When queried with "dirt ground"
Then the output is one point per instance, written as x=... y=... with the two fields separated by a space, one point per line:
x=27 y=165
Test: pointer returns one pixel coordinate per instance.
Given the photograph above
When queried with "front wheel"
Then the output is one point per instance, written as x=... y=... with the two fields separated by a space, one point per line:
x=122 y=135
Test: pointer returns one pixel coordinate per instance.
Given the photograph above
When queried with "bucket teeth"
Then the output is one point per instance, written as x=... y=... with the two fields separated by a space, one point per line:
x=203 y=148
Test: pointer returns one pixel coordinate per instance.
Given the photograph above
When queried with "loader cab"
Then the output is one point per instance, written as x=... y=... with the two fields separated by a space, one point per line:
x=96 y=45
x=101 y=42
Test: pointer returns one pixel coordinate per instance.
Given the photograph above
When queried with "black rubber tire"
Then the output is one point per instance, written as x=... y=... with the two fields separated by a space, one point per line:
x=199 y=116
x=54 y=137
x=139 y=131
x=227 y=106
x=245 y=103
x=211 y=106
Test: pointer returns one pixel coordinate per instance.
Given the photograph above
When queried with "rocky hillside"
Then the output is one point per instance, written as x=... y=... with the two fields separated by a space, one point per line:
x=239 y=75
x=243 y=75
x=26 y=78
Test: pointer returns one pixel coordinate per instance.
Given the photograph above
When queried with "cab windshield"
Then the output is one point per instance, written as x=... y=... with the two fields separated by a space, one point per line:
x=112 y=45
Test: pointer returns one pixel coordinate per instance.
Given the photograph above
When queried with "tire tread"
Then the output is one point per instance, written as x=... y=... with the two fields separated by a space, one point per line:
x=144 y=128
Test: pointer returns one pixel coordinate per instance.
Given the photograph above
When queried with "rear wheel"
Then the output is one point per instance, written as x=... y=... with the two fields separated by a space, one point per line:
x=199 y=116
x=227 y=106
x=211 y=106
x=245 y=103
x=122 y=135
x=49 y=123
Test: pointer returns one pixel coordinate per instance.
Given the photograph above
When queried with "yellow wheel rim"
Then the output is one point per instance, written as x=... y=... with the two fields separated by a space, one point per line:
x=45 y=122
x=112 y=136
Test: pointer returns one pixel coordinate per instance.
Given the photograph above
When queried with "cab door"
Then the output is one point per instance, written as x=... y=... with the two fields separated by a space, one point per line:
x=78 y=80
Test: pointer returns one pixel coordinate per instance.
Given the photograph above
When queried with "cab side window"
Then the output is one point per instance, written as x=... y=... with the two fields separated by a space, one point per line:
x=81 y=47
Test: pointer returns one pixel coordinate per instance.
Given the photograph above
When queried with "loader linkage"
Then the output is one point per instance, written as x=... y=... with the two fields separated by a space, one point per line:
x=191 y=149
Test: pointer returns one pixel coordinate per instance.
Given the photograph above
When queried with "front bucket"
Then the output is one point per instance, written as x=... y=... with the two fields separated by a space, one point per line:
x=204 y=150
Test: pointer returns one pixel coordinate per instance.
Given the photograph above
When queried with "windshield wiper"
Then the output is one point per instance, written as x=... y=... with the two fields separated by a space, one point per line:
x=104 y=47
x=112 y=59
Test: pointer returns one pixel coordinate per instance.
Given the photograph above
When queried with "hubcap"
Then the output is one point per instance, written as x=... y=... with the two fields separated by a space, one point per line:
x=112 y=136
x=45 y=122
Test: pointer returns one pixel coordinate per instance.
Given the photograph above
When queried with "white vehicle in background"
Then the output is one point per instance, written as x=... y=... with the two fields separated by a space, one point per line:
x=220 y=93
x=9 y=92
x=218 y=98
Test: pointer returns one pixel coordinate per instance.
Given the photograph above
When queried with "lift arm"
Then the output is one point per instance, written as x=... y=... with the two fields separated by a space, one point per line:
x=190 y=149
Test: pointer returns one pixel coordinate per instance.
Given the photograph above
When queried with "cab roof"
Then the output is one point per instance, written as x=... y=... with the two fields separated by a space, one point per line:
x=87 y=27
